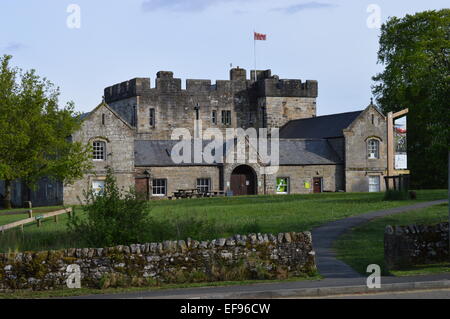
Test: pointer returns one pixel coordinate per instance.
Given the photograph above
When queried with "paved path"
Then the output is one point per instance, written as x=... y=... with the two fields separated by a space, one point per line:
x=338 y=275
x=325 y=235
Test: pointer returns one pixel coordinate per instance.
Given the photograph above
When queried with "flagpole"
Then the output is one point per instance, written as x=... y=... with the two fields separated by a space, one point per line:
x=254 y=53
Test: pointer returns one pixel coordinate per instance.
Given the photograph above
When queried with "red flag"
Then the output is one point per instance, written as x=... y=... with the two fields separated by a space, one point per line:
x=260 y=36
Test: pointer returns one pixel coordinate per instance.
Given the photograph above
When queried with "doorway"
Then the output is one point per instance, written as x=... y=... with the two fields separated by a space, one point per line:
x=142 y=187
x=317 y=184
x=243 y=181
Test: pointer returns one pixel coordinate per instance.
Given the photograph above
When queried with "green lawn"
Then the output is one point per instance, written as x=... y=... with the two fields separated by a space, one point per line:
x=231 y=215
x=364 y=245
x=12 y=215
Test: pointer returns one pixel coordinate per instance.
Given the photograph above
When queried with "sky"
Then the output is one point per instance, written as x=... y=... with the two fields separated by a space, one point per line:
x=83 y=46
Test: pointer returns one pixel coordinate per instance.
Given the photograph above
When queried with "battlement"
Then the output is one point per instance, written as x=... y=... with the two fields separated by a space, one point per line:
x=266 y=85
x=287 y=88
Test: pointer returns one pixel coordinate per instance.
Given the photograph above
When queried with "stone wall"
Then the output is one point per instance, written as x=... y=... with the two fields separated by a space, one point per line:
x=182 y=177
x=415 y=245
x=254 y=256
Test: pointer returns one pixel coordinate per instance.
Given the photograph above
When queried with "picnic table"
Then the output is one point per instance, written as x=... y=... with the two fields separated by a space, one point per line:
x=195 y=192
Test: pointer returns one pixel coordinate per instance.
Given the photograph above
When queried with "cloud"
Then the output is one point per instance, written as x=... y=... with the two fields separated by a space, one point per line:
x=14 y=46
x=305 y=6
x=180 y=5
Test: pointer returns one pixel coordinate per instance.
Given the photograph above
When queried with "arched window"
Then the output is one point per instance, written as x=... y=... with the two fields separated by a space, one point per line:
x=99 y=151
x=373 y=148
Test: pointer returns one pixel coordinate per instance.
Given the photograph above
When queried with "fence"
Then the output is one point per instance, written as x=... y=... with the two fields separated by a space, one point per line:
x=38 y=219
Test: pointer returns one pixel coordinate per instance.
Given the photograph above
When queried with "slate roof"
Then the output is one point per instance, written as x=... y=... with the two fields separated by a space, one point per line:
x=292 y=152
x=84 y=115
x=325 y=126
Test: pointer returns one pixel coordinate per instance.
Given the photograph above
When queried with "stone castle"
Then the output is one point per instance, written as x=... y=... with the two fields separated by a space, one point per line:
x=238 y=102
x=130 y=132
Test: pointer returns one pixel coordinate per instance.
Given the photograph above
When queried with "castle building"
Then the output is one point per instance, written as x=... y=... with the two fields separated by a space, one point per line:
x=131 y=131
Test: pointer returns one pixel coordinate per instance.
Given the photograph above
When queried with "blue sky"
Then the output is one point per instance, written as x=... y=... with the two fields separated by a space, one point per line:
x=323 y=40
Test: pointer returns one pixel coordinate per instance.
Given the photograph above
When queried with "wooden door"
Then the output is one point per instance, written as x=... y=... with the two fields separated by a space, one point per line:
x=141 y=186
x=317 y=184
x=238 y=184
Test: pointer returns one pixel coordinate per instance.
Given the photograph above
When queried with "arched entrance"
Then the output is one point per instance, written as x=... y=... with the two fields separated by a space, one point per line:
x=243 y=181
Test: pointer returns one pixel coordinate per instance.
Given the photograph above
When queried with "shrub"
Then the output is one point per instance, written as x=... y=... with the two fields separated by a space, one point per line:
x=393 y=194
x=113 y=217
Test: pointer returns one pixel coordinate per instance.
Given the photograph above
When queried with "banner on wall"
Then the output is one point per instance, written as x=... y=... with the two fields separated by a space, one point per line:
x=400 y=131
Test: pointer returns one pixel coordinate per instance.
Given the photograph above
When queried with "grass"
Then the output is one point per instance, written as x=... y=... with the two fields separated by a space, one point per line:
x=232 y=215
x=12 y=215
x=363 y=245
x=89 y=291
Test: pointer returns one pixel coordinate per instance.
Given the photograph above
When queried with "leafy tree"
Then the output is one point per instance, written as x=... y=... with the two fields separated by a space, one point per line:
x=113 y=217
x=35 y=132
x=415 y=53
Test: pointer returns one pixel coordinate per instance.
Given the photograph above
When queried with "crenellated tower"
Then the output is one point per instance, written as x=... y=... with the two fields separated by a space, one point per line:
x=238 y=102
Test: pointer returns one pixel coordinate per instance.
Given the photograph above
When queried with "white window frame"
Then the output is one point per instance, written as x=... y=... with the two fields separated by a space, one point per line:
x=160 y=189
x=287 y=184
x=204 y=184
x=99 y=151
x=376 y=185
x=373 y=148
x=214 y=117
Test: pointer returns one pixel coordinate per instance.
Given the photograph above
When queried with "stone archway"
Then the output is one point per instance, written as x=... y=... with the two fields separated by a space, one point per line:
x=243 y=181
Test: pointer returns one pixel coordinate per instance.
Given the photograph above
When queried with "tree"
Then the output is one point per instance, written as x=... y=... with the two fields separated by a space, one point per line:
x=35 y=132
x=415 y=53
x=113 y=217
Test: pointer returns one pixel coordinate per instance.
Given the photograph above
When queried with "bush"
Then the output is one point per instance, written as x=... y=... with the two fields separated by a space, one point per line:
x=113 y=217
x=393 y=194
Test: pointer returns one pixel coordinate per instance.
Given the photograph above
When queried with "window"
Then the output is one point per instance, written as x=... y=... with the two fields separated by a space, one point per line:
x=103 y=119
x=263 y=117
x=226 y=117
x=159 y=187
x=373 y=147
x=99 y=152
x=282 y=185
x=204 y=184
x=214 y=117
x=374 y=183
x=151 y=119
x=98 y=187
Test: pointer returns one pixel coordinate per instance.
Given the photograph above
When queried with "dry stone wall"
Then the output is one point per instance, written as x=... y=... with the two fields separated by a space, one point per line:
x=254 y=256
x=415 y=245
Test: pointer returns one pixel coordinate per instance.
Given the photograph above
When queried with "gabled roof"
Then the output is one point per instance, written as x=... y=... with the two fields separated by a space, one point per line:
x=326 y=126
x=85 y=116
x=292 y=152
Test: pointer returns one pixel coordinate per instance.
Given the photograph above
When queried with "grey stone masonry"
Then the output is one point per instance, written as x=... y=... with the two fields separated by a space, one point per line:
x=253 y=256
x=266 y=102
x=406 y=246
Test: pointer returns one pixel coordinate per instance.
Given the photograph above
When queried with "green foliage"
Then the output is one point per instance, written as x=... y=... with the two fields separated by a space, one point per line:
x=35 y=132
x=393 y=194
x=415 y=52
x=113 y=217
